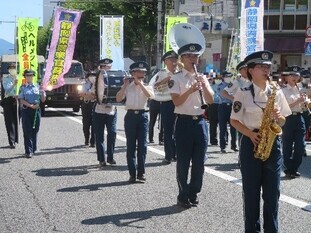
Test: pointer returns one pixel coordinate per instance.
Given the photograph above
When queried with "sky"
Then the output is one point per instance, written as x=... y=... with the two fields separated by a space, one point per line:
x=10 y=10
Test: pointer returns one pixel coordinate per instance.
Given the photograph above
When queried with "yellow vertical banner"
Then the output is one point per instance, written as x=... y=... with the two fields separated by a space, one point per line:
x=170 y=22
x=27 y=32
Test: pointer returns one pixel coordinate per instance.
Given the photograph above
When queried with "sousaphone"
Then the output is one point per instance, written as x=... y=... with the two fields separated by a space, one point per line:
x=185 y=33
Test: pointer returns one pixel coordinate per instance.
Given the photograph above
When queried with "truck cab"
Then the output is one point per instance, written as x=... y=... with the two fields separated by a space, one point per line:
x=67 y=96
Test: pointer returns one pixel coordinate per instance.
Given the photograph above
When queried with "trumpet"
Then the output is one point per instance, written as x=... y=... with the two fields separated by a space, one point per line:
x=203 y=104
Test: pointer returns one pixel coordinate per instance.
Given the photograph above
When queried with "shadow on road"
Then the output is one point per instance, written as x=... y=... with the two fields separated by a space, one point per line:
x=8 y=160
x=224 y=167
x=93 y=187
x=59 y=150
x=127 y=219
x=65 y=171
x=60 y=113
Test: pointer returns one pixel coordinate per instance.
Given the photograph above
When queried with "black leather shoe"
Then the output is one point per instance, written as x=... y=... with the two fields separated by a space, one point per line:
x=151 y=141
x=166 y=161
x=174 y=159
x=223 y=151
x=12 y=146
x=234 y=149
x=92 y=145
x=297 y=174
x=111 y=161
x=184 y=204
x=141 y=178
x=102 y=164
x=28 y=156
x=132 y=179
x=194 y=201
x=161 y=143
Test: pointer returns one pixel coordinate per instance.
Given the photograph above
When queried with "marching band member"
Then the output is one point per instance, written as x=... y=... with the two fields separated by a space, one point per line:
x=191 y=130
x=247 y=114
x=212 y=111
x=305 y=74
x=294 y=129
x=240 y=82
x=105 y=115
x=30 y=96
x=136 y=119
x=167 y=106
x=87 y=108
x=224 y=110
x=154 y=113
x=10 y=105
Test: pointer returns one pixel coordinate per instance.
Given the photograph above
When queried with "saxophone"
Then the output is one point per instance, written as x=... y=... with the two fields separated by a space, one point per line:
x=268 y=130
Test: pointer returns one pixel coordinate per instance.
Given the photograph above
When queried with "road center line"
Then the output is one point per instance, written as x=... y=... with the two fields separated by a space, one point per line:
x=289 y=200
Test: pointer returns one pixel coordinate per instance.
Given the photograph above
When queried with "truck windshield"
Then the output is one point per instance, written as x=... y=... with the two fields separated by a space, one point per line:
x=75 y=71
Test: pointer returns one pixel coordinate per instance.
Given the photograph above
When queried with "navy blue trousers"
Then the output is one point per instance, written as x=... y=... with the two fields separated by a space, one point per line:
x=87 y=121
x=293 y=138
x=100 y=121
x=224 y=112
x=168 y=121
x=257 y=175
x=31 y=123
x=136 y=129
x=191 y=144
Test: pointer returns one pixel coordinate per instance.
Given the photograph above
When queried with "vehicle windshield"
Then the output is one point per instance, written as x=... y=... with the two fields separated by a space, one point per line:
x=75 y=71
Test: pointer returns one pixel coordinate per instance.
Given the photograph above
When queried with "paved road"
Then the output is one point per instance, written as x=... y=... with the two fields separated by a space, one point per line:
x=61 y=189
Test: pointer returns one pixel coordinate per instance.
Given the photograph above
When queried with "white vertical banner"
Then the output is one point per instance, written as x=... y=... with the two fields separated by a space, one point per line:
x=111 y=40
x=251 y=29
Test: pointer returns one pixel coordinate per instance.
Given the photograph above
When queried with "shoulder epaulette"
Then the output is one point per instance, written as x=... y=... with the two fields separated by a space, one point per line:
x=245 y=89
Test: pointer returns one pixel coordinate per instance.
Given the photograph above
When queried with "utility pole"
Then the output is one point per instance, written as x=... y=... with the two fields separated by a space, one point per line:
x=159 y=35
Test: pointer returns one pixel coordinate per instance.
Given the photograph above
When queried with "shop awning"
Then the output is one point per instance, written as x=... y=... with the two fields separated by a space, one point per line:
x=285 y=44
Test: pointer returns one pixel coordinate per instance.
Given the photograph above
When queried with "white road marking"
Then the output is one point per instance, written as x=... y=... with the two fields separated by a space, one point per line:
x=289 y=200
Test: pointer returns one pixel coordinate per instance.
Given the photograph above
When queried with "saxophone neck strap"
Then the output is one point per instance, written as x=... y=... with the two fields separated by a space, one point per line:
x=251 y=88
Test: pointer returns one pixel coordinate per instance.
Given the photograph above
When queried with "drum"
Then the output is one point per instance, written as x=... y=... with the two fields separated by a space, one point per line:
x=107 y=85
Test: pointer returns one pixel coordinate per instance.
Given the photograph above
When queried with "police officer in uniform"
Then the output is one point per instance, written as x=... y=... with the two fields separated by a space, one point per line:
x=246 y=117
x=10 y=106
x=224 y=110
x=136 y=119
x=104 y=115
x=191 y=131
x=30 y=97
x=167 y=106
x=87 y=109
x=240 y=82
x=305 y=75
x=212 y=111
x=294 y=130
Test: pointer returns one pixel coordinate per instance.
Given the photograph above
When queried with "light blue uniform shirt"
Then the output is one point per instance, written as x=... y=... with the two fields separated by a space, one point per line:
x=222 y=100
x=216 y=94
x=8 y=85
x=30 y=93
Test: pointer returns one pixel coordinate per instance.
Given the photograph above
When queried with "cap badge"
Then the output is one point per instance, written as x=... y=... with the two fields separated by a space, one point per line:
x=295 y=69
x=192 y=48
x=141 y=65
x=265 y=56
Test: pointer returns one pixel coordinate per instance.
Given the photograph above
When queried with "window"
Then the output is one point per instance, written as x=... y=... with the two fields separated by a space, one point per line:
x=273 y=22
x=75 y=71
x=301 y=22
x=274 y=5
x=288 y=22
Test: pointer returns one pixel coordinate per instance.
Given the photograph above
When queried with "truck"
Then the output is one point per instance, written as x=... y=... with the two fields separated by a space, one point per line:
x=68 y=95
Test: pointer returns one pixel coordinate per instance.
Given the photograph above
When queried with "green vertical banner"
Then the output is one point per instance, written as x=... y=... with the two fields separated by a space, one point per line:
x=27 y=32
x=170 y=22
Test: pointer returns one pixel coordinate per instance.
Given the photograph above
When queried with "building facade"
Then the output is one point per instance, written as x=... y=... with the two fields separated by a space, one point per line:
x=285 y=23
